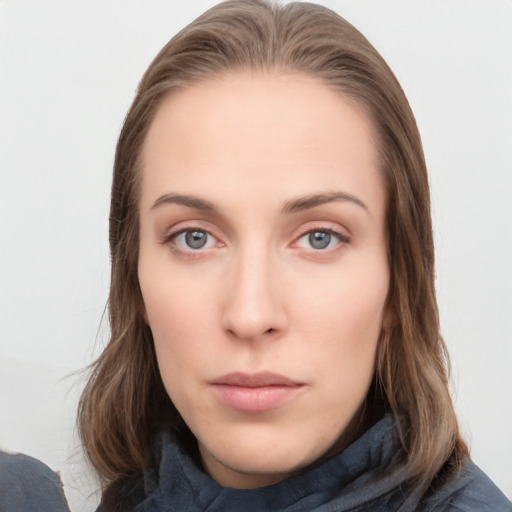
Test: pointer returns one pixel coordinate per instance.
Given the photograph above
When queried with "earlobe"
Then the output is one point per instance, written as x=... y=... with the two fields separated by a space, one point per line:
x=390 y=319
x=143 y=312
x=142 y=307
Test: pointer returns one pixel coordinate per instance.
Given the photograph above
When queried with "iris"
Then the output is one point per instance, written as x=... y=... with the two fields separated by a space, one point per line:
x=319 y=239
x=196 y=239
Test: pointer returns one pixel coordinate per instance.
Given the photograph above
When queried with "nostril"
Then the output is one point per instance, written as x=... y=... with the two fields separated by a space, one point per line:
x=268 y=331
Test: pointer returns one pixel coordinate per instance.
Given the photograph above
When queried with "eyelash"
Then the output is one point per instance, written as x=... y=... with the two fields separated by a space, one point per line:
x=342 y=239
x=170 y=240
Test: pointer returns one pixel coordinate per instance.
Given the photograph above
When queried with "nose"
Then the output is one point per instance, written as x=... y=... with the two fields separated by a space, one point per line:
x=254 y=302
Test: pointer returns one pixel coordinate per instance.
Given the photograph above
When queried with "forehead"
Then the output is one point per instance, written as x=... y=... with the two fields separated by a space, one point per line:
x=266 y=134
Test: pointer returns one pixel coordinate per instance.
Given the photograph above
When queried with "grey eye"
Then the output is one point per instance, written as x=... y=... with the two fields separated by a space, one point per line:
x=191 y=240
x=196 y=239
x=319 y=239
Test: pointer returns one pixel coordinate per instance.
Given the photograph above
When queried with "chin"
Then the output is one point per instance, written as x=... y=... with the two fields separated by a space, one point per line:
x=260 y=460
x=258 y=472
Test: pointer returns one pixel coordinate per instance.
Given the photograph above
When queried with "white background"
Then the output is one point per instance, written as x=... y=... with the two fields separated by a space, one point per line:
x=69 y=70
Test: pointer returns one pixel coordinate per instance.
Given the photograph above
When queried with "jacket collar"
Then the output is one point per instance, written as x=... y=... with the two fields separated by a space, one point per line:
x=177 y=483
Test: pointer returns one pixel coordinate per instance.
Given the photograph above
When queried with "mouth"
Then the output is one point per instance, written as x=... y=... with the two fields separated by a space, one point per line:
x=255 y=392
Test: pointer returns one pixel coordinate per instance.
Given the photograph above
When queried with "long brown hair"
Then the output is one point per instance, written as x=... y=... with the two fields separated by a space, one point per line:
x=124 y=402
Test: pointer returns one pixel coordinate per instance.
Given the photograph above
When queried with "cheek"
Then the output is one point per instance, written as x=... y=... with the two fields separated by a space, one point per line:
x=351 y=300
x=172 y=297
x=343 y=320
x=179 y=313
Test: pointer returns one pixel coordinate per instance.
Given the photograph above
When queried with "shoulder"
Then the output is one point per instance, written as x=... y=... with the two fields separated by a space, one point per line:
x=28 y=484
x=470 y=490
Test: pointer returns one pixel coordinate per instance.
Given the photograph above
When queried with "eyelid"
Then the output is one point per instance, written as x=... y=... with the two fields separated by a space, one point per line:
x=171 y=230
x=177 y=233
x=169 y=239
x=328 y=227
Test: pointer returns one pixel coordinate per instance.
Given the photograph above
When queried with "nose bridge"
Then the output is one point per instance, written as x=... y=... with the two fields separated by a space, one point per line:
x=253 y=305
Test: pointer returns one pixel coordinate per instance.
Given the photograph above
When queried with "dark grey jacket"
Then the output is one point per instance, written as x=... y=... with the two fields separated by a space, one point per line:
x=28 y=485
x=355 y=480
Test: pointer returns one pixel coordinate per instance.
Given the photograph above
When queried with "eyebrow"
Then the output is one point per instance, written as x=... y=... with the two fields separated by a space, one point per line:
x=295 y=205
x=305 y=203
x=185 y=200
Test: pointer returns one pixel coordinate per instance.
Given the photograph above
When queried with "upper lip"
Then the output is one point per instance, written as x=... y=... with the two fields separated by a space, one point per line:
x=255 y=380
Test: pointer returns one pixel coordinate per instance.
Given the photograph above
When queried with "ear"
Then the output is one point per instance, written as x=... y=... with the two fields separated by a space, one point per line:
x=143 y=312
x=390 y=319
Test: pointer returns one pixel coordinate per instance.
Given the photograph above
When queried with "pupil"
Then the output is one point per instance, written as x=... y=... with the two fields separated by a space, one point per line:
x=195 y=239
x=319 y=239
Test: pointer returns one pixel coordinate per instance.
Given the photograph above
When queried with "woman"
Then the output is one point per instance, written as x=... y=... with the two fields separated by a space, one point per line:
x=275 y=336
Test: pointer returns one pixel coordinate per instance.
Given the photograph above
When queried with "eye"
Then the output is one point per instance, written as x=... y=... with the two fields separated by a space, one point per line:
x=321 y=239
x=192 y=239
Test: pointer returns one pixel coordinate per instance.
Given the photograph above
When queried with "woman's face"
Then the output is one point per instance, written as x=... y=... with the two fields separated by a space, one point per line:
x=263 y=268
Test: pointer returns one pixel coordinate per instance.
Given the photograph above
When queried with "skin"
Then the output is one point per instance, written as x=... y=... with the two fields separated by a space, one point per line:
x=258 y=296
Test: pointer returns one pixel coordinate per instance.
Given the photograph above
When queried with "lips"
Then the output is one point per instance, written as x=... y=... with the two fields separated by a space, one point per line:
x=255 y=392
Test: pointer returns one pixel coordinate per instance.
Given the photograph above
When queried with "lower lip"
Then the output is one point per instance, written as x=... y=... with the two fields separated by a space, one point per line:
x=257 y=399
